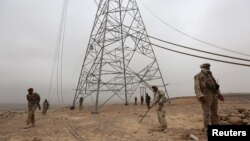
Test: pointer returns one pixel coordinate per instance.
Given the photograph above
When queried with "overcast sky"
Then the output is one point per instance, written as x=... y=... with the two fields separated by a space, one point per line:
x=29 y=33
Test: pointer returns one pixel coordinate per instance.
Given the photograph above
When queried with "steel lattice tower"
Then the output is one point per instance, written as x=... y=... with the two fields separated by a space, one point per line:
x=119 y=57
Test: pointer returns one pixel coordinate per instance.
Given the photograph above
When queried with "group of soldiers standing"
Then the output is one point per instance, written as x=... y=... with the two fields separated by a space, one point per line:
x=147 y=100
x=205 y=86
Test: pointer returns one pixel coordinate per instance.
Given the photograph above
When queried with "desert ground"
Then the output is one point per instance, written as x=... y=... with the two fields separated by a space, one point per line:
x=115 y=122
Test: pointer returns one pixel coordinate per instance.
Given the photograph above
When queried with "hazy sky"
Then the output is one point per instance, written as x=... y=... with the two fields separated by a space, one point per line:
x=29 y=33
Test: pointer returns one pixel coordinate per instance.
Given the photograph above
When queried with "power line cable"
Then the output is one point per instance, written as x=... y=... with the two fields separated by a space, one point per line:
x=229 y=62
x=60 y=45
x=199 y=40
x=186 y=47
x=197 y=56
x=52 y=72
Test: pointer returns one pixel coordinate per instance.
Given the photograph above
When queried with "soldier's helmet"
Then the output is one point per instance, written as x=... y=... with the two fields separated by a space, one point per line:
x=205 y=65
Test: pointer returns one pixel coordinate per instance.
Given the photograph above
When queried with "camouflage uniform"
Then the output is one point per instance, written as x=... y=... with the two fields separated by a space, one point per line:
x=81 y=103
x=148 y=100
x=160 y=100
x=45 y=107
x=142 y=100
x=33 y=103
x=207 y=91
x=135 y=100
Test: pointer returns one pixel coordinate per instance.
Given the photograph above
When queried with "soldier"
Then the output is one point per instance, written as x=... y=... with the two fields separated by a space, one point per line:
x=207 y=92
x=160 y=100
x=81 y=103
x=135 y=100
x=45 y=106
x=33 y=102
x=142 y=100
x=148 y=100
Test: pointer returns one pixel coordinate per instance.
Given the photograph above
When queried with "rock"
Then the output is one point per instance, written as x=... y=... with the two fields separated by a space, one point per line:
x=233 y=115
x=5 y=116
x=224 y=123
x=247 y=114
x=36 y=139
x=235 y=120
x=224 y=117
x=193 y=137
x=241 y=115
x=241 y=110
x=20 y=112
x=1 y=114
x=245 y=121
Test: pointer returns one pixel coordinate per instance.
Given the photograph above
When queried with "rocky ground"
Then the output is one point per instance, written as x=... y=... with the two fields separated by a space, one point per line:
x=121 y=123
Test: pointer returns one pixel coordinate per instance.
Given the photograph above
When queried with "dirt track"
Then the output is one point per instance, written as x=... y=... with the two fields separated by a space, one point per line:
x=114 y=123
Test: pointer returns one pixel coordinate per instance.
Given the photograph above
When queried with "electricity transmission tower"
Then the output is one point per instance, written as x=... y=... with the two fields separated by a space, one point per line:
x=119 y=57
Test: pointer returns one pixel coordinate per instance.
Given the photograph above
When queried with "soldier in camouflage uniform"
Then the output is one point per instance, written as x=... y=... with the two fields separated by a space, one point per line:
x=207 y=93
x=148 y=100
x=142 y=100
x=135 y=100
x=160 y=102
x=45 y=106
x=81 y=103
x=33 y=103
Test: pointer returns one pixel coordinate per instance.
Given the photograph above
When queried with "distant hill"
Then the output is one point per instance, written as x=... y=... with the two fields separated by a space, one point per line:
x=12 y=107
x=235 y=94
x=224 y=94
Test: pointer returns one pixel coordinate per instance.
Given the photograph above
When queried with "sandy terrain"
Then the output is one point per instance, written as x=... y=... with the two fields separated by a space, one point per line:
x=114 y=123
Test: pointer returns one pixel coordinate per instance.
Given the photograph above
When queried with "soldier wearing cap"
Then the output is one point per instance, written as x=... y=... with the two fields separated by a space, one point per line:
x=81 y=103
x=148 y=98
x=33 y=102
x=207 y=92
x=160 y=102
x=135 y=100
x=45 y=106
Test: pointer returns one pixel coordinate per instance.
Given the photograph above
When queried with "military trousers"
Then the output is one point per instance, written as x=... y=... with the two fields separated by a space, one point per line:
x=161 y=114
x=31 y=115
x=210 y=109
x=80 y=107
x=45 y=110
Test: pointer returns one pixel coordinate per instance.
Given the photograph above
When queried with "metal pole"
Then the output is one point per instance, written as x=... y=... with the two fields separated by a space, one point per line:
x=101 y=59
x=123 y=58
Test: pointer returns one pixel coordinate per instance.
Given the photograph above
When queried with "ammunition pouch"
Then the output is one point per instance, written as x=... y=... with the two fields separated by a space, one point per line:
x=214 y=88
